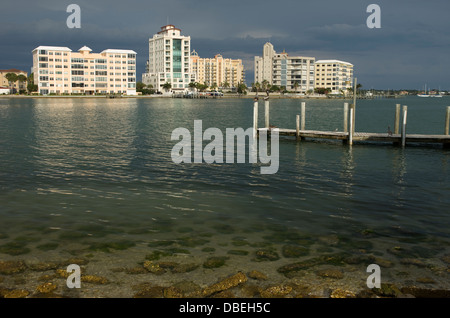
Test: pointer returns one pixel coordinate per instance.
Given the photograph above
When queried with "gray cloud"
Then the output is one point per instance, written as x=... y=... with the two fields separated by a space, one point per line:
x=411 y=48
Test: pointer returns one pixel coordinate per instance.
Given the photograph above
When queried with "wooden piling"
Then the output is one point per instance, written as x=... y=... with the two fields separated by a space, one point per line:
x=266 y=113
x=350 y=134
x=255 y=118
x=297 y=127
x=345 y=117
x=303 y=109
x=397 y=119
x=405 y=113
x=447 y=121
x=354 y=105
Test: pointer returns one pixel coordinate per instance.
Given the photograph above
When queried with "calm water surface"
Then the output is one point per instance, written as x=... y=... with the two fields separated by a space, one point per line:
x=94 y=179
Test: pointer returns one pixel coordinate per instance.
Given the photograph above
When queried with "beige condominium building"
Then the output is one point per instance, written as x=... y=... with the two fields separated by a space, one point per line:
x=18 y=85
x=295 y=73
x=334 y=75
x=59 y=70
x=169 y=60
x=218 y=71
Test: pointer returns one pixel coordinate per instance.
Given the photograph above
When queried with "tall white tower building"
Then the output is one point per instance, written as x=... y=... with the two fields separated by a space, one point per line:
x=264 y=64
x=169 y=60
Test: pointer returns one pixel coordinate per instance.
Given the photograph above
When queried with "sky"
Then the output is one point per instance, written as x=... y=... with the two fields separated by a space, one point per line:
x=409 y=51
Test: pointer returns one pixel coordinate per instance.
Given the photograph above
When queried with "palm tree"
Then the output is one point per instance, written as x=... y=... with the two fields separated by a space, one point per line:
x=264 y=85
x=22 y=79
x=257 y=86
x=167 y=86
x=358 y=86
x=193 y=85
x=241 y=88
x=295 y=86
x=12 y=78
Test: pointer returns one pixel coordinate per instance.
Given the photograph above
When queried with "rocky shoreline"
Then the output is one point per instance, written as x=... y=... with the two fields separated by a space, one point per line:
x=51 y=282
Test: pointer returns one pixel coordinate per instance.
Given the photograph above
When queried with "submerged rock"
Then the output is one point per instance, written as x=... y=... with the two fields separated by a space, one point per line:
x=215 y=261
x=238 y=252
x=188 y=288
x=42 y=267
x=413 y=261
x=266 y=255
x=14 y=248
x=329 y=240
x=184 y=268
x=191 y=241
x=329 y=259
x=149 y=292
x=93 y=279
x=16 y=293
x=277 y=291
x=46 y=288
x=341 y=293
x=12 y=267
x=135 y=270
x=292 y=251
x=257 y=275
x=330 y=273
x=172 y=292
x=426 y=292
x=154 y=268
x=225 y=284
x=387 y=290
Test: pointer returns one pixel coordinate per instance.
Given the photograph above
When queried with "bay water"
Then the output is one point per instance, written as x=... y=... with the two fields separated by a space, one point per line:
x=93 y=178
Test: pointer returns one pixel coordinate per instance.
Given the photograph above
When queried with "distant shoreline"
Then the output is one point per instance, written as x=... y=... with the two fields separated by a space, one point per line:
x=226 y=96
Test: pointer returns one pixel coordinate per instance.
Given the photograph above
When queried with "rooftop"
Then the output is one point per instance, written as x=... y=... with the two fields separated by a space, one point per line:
x=85 y=48
x=118 y=51
x=332 y=61
x=53 y=48
x=12 y=70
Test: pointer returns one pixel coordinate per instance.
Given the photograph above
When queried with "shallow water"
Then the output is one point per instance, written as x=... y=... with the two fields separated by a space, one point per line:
x=93 y=178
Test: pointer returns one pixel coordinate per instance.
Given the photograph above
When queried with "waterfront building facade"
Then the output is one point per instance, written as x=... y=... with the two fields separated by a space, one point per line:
x=16 y=86
x=217 y=71
x=334 y=75
x=169 y=61
x=263 y=67
x=295 y=73
x=59 y=70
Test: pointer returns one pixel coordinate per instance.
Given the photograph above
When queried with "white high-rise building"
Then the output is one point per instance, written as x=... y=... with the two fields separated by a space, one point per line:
x=59 y=70
x=295 y=73
x=264 y=64
x=169 y=60
x=335 y=75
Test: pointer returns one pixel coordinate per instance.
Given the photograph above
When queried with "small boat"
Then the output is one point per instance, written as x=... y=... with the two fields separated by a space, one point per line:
x=428 y=95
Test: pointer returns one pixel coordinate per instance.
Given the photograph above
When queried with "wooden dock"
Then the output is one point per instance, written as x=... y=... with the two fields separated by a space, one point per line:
x=349 y=135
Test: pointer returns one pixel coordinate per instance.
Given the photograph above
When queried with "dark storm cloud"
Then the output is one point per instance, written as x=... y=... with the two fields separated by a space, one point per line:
x=411 y=48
